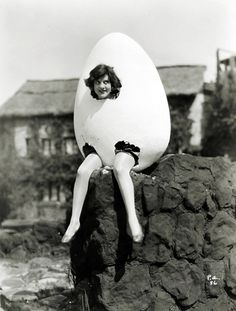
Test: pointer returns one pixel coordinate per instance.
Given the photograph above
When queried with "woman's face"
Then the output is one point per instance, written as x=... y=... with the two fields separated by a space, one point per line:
x=102 y=87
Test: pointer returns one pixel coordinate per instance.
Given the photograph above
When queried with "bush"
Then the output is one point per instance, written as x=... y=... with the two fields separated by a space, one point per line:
x=220 y=119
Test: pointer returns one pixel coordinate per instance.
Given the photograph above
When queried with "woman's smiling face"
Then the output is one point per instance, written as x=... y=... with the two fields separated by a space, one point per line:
x=102 y=87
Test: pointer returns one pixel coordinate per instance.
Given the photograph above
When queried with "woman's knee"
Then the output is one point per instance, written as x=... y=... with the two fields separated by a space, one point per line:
x=123 y=164
x=84 y=171
x=120 y=170
x=90 y=163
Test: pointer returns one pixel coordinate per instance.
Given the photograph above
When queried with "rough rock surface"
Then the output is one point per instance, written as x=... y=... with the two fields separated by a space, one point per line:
x=34 y=284
x=187 y=260
x=34 y=267
x=41 y=238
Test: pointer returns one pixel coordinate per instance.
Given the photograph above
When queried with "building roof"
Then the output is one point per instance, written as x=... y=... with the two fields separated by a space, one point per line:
x=227 y=61
x=34 y=98
x=56 y=97
x=182 y=80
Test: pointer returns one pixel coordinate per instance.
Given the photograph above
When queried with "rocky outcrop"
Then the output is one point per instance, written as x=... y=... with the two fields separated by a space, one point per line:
x=187 y=260
x=22 y=240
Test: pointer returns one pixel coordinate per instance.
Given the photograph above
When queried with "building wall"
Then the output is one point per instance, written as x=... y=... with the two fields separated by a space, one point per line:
x=196 y=111
x=20 y=136
x=181 y=123
x=7 y=138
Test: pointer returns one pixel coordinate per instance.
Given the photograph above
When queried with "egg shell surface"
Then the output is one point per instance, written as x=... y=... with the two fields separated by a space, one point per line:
x=139 y=115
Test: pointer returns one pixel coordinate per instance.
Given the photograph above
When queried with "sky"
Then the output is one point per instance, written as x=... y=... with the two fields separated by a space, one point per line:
x=51 y=39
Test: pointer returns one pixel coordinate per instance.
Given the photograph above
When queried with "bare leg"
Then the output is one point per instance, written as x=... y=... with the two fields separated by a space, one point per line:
x=90 y=163
x=122 y=165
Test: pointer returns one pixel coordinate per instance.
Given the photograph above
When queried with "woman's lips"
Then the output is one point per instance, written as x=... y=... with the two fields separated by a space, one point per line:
x=102 y=91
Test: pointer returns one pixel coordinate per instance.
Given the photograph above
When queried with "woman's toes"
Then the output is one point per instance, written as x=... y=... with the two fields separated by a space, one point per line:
x=138 y=238
x=70 y=232
x=66 y=239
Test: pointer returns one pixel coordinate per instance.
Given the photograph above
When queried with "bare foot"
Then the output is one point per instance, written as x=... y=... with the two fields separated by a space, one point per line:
x=70 y=232
x=137 y=235
x=138 y=238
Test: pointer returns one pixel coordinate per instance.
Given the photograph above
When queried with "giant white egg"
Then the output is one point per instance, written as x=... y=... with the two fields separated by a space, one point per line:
x=139 y=115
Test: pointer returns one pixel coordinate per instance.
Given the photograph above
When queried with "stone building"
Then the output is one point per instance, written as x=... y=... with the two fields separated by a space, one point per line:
x=37 y=104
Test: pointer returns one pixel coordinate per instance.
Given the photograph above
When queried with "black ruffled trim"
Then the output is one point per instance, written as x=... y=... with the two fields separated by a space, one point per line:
x=125 y=146
x=120 y=146
x=88 y=149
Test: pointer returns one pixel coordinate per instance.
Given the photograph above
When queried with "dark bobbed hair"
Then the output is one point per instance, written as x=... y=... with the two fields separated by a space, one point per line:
x=98 y=72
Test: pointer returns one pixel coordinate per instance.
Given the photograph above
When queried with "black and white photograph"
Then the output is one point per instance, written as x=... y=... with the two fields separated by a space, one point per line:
x=117 y=155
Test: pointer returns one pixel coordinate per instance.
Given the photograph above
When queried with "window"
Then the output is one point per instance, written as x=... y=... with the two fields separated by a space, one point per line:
x=53 y=193
x=70 y=145
x=21 y=136
x=28 y=141
x=46 y=146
